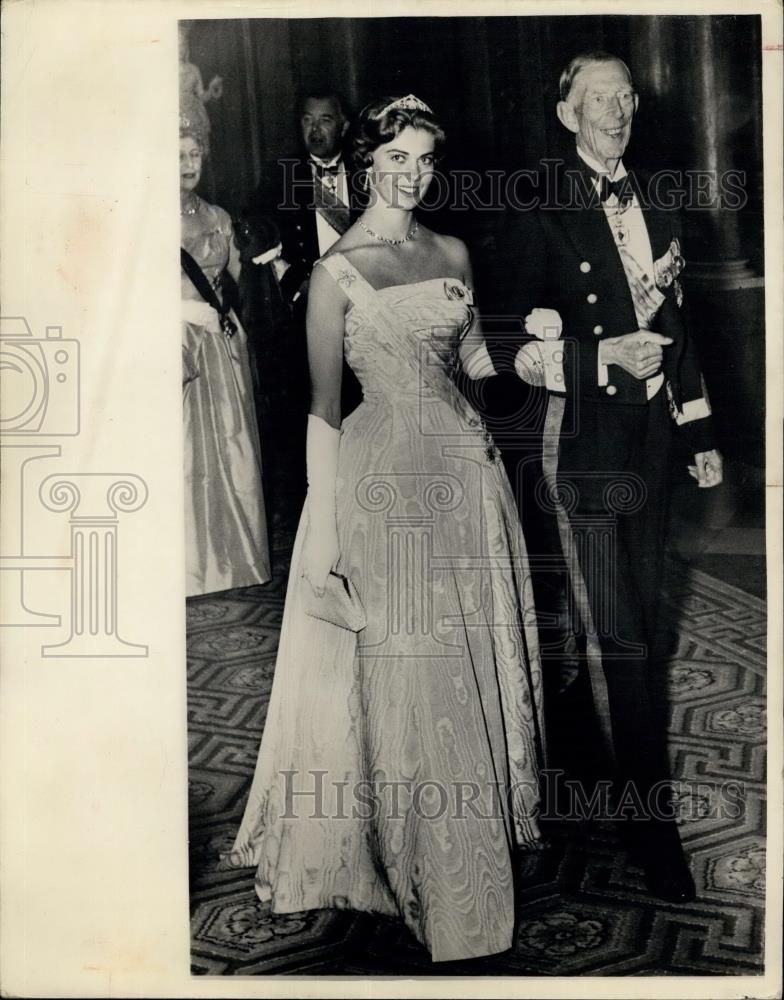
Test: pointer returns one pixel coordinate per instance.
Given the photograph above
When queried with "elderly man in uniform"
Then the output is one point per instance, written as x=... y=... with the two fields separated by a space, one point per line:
x=597 y=275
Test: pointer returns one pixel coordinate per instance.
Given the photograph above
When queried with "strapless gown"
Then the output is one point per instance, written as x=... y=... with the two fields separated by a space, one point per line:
x=399 y=766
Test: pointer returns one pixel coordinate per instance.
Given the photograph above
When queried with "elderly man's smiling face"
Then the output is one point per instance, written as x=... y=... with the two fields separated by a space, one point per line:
x=599 y=110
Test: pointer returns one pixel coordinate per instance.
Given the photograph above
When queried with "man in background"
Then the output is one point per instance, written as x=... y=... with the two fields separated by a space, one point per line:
x=310 y=199
x=310 y=196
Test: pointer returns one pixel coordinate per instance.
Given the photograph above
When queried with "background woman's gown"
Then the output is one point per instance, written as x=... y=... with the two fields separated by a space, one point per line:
x=390 y=758
x=225 y=525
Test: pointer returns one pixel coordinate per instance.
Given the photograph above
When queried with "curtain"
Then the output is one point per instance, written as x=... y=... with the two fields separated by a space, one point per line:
x=493 y=82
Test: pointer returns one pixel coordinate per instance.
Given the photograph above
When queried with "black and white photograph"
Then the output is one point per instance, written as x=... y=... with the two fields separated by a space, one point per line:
x=477 y=676
x=391 y=538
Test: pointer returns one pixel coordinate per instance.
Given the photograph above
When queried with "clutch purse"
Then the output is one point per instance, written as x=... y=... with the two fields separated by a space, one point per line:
x=339 y=604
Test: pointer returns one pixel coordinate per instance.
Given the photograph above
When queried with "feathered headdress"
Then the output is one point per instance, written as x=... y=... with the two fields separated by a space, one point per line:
x=194 y=121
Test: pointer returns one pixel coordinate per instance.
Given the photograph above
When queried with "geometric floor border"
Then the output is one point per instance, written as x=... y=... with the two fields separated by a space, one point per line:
x=582 y=909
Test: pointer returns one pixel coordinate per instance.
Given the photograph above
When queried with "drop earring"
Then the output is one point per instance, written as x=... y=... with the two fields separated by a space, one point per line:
x=367 y=185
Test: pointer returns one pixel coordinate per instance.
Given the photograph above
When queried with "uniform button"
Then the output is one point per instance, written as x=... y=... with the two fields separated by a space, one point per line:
x=585 y=267
x=592 y=297
x=611 y=390
x=598 y=329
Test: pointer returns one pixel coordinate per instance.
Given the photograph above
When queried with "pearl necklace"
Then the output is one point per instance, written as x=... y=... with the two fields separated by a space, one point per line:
x=193 y=209
x=386 y=239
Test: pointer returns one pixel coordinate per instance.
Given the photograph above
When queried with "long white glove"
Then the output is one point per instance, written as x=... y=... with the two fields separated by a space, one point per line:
x=479 y=364
x=321 y=551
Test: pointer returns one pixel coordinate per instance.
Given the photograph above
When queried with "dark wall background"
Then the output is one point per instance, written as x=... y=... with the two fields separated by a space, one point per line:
x=493 y=82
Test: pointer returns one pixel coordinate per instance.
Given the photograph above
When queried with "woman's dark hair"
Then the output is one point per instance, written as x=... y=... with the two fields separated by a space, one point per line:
x=375 y=126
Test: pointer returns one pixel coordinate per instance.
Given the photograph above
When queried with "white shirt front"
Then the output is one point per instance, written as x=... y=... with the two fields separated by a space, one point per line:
x=637 y=243
x=325 y=233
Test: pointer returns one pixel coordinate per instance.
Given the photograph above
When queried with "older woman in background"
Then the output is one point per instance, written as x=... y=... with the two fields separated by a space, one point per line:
x=225 y=523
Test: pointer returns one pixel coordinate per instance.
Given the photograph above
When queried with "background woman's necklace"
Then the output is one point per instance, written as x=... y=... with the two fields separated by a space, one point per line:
x=387 y=239
x=192 y=208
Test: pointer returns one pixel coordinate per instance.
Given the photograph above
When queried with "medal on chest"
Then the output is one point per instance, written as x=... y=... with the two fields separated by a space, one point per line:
x=618 y=224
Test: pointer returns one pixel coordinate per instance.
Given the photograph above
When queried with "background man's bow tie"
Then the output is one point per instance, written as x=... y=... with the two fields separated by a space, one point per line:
x=322 y=171
x=622 y=189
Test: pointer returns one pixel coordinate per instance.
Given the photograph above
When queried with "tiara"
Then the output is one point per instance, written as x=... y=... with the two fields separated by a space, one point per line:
x=407 y=103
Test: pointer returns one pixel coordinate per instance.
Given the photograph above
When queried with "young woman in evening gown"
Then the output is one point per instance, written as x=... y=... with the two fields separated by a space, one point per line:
x=399 y=766
x=225 y=525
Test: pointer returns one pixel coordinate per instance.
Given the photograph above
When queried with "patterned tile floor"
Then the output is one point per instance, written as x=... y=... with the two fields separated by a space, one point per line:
x=722 y=531
x=582 y=906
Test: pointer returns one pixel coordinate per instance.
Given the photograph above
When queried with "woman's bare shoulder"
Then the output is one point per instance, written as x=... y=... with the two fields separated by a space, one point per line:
x=354 y=243
x=450 y=250
x=216 y=214
x=366 y=256
x=451 y=247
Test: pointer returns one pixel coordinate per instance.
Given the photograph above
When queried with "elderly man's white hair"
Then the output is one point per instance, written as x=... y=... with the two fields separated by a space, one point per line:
x=580 y=62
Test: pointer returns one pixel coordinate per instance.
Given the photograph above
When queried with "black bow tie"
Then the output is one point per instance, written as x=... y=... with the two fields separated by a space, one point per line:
x=622 y=189
x=322 y=171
